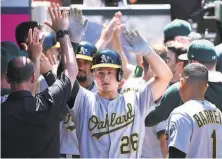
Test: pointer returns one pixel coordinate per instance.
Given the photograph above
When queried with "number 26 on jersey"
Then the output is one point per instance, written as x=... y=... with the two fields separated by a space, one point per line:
x=129 y=143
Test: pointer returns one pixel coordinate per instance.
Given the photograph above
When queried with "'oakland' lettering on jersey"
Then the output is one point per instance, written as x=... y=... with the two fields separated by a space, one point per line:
x=95 y=123
x=208 y=117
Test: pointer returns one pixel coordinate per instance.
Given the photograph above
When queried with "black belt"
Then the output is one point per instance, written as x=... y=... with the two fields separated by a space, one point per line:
x=69 y=156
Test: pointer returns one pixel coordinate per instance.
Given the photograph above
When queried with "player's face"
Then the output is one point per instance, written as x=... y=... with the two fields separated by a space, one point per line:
x=84 y=70
x=106 y=79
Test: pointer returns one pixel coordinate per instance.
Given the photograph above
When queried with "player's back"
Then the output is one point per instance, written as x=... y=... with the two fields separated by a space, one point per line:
x=206 y=132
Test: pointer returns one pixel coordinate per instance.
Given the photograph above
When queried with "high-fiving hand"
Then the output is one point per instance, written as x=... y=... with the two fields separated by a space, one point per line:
x=77 y=26
x=34 y=47
x=60 y=21
x=136 y=42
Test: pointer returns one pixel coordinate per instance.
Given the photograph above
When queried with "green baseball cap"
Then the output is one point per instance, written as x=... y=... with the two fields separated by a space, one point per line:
x=13 y=49
x=200 y=50
x=177 y=27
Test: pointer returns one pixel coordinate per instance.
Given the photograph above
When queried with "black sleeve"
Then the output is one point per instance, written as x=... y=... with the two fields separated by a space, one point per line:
x=50 y=78
x=75 y=90
x=56 y=95
x=170 y=100
x=175 y=153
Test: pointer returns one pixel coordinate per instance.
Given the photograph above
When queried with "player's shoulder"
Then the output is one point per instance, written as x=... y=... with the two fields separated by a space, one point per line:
x=194 y=105
x=132 y=84
x=184 y=108
x=174 y=88
x=172 y=93
x=85 y=92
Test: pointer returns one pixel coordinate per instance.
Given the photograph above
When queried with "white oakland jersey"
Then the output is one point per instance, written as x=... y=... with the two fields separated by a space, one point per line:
x=68 y=140
x=195 y=128
x=151 y=145
x=111 y=129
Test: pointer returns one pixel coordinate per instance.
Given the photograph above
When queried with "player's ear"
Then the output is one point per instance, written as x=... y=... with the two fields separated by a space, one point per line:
x=207 y=86
x=182 y=82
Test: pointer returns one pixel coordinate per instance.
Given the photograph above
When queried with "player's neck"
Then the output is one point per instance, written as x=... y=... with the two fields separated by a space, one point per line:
x=86 y=84
x=194 y=97
x=176 y=78
x=108 y=95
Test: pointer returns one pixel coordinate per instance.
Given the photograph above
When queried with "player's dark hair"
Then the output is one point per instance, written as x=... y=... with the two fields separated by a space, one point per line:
x=21 y=31
x=20 y=69
x=177 y=48
x=196 y=72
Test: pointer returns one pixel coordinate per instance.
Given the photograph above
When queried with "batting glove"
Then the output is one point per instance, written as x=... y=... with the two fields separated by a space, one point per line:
x=77 y=26
x=136 y=42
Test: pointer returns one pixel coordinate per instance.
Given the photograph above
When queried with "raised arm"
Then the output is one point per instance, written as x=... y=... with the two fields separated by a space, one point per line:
x=60 y=22
x=34 y=50
x=106 y=34
x=77 y=28
x=162 y=72
x=117 y=45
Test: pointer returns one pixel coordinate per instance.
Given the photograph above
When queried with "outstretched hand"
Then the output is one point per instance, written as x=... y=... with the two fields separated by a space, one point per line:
x=34 y=47
x=60 y=20
x=136 y=42
x=77 y=26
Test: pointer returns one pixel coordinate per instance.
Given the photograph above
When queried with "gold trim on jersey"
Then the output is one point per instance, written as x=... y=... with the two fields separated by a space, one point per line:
x=113 y=121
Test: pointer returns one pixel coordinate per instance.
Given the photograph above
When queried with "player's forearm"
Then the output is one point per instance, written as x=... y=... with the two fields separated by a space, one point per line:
x=36 y=63
x=159 y=114
x=163 y=145
x=162 y=74
x=116 y=45
x=68 y=59
x=101 y=44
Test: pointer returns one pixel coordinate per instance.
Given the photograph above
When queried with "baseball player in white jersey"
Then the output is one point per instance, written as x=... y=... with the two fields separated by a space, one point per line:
x=195 y=128
x=69 y=147
x=154 y=145
x=108 y=124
